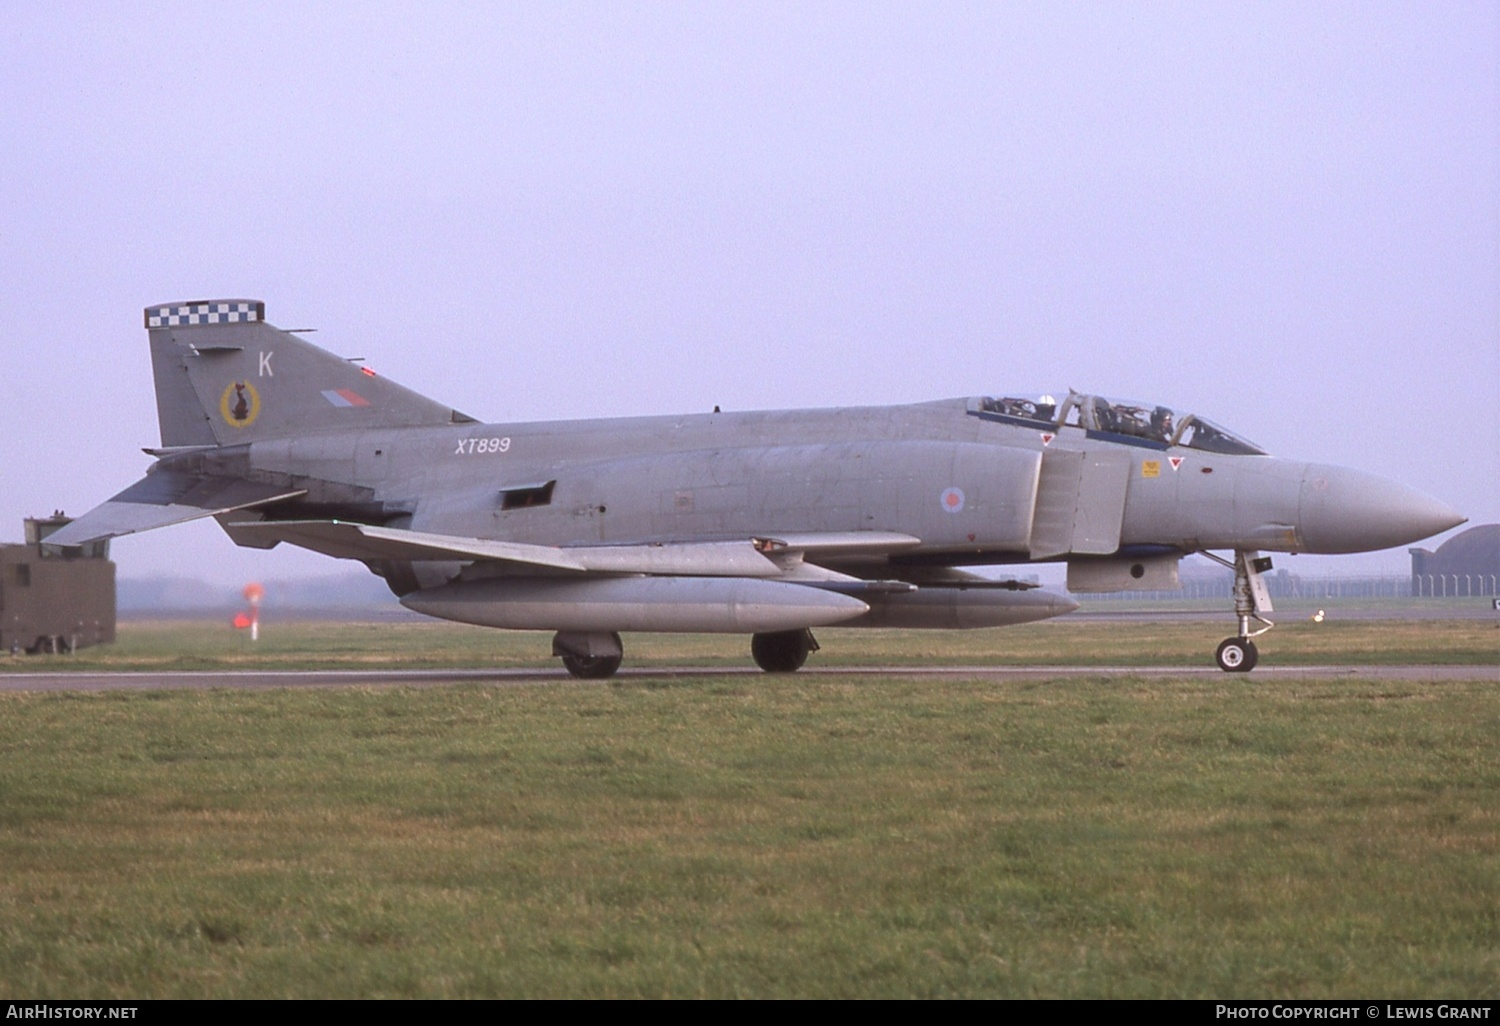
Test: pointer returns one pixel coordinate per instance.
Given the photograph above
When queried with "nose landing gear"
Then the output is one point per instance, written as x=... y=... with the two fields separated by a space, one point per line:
x=1251 y=599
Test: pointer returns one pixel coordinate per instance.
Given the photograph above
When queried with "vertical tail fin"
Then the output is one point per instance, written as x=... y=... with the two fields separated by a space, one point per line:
x=224 y=376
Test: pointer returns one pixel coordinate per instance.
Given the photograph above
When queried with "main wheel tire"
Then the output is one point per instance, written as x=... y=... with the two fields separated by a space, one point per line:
x=781 y=651
x=1237 y=655
x=591 y=667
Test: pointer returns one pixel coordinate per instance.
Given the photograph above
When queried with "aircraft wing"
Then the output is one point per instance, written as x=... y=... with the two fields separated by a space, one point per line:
x=346 y=540
x=752 y=557
x=165 y=497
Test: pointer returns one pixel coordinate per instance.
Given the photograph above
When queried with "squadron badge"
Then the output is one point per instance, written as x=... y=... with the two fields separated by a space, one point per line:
x=240 y=404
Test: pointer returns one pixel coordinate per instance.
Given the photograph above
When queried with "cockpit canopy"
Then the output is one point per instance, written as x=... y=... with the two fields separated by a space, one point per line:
x=1121 y=419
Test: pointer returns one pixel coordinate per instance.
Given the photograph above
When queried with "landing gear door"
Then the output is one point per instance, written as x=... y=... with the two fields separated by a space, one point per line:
x=1256 y=567
x=1080 y=503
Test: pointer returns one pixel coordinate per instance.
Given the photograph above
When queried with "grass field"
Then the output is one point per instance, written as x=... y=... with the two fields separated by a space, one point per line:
x=1115 y=836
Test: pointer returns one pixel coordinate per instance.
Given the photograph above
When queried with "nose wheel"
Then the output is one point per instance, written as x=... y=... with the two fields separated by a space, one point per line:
x=1237 y=655
x=1251 y=599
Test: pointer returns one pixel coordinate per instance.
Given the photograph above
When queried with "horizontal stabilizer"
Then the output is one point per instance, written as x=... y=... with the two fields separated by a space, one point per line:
x=164 y=498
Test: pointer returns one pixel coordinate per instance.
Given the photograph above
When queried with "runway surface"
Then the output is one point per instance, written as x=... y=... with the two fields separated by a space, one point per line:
x=185 y=679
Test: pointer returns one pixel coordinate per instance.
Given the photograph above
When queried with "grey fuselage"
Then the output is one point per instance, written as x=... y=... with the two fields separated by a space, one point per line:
x=965 y=485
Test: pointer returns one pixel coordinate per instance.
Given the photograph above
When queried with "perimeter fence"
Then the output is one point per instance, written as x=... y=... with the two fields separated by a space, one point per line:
x=1453 y=585
x=1295 y=586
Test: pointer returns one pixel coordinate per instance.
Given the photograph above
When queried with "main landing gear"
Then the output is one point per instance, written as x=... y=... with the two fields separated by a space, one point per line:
x=783 y=651
x=596 y=655
x=589 y=656
x=1251 y=599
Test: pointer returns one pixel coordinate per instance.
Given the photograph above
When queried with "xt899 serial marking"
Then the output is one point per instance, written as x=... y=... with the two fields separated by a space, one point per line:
x=480 y=446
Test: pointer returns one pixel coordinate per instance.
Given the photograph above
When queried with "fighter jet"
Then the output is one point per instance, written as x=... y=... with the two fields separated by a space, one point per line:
x=764 y=523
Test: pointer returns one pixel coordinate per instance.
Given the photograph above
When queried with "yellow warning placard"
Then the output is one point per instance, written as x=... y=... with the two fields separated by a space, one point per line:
x=1151 y=468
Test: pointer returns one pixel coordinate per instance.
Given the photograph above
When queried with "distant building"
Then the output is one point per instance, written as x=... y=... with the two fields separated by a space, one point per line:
x=55 y=599
x=1466 y=564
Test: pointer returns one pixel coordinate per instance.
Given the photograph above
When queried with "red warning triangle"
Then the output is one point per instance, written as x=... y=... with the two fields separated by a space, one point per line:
x=1047 y=437
x=1176 y=461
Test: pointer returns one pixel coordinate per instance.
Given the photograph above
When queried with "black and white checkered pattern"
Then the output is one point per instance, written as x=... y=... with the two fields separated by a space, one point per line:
x=215 y=311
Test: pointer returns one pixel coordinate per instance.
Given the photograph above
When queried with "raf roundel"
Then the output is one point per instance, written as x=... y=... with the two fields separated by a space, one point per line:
x=240 y=404
x=952 y=499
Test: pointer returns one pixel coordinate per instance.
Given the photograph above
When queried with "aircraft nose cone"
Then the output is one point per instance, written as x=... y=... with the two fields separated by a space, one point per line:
x=1346 y=510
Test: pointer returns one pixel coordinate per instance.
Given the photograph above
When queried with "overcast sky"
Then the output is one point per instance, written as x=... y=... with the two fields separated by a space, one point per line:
x=1283 y=216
